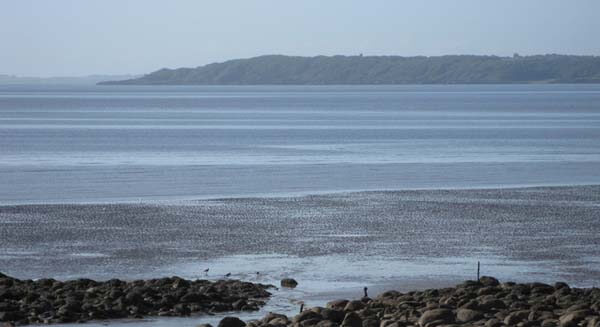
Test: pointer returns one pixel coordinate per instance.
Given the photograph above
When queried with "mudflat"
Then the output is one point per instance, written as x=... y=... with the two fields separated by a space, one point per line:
x=553 y=229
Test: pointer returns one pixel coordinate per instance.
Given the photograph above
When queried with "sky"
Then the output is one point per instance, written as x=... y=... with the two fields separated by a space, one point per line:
x=83 y=37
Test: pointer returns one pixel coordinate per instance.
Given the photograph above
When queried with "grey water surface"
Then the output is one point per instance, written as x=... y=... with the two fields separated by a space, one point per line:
x=142 y=182
x=132 y=143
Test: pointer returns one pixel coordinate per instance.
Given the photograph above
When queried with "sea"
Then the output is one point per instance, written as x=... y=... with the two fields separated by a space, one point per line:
x=340 y=187
x=94 y=144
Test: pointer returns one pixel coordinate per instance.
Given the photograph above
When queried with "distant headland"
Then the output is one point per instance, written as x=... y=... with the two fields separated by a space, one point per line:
x=324 y=70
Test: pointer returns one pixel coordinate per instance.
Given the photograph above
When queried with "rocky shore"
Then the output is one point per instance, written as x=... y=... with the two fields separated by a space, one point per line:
x=486 y=302
x=51 y=301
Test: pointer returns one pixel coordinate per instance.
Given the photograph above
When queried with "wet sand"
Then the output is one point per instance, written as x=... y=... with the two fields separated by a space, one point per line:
x=332 y=244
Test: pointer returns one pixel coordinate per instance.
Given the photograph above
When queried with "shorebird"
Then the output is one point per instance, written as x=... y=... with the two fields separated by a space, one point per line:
x=227 y=274
x=365 y=298
x=206 y=271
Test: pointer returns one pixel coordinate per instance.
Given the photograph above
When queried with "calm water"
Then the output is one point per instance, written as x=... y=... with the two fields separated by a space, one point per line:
x=124 y=143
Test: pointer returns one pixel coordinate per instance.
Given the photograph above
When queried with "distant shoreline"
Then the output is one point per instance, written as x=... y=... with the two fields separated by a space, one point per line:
x=381 y=70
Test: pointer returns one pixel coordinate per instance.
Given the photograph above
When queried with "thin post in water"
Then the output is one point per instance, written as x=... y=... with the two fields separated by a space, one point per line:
x=478 y=266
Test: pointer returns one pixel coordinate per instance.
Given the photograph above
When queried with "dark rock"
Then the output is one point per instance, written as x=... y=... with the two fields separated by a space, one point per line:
x=231 y=322
x=337 y=304
x=289 y=282
x=468 y=315
x=579 y=307
x=516 y=317
x=310 y=322
x=352 y=320
x=271 y=316
x=493 y=303
x=354 y=305
x=336 y=316
x=488 y=281
x=549 y=323
x=305 y=315
x=444 y=315
x=370 y=322
x=493 y=323
x=327 y=323
x=11 y=316
x=192 y=297
x=594 y=322
x=572 y=318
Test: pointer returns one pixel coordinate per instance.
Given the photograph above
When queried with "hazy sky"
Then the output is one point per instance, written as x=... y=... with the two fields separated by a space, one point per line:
x=80 y=37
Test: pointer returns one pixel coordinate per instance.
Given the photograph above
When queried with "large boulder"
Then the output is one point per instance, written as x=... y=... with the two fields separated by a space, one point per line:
x=231 y=322
x=352 y=320
x=337 y=304
x=354 y=305
x=289 y=282
x=306 y=315
x=468 y=315
x=488 y=281
x=516 y=317
x=572 y=318
x=443 y=315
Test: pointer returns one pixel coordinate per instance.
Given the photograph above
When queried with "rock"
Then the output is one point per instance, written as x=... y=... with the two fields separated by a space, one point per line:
x=327 y=323
x=289 y=282
x=352 y=320
x=337 y=304
x=306 y=315
x=493 y=323
x=389 y=294
x=490 y=304
x=310 y=322
x=354 y=305
x=272 y=316
x=394 y=324
x=486 y=290
x=279 y=322
x=468 y=315
x=488 y=281
x=549 y=323
x=571 y=319
x=10 y=316
x=578 y=307
x=594 y=322
x=336 y=316
x=444 y=315
x=472 y=304
x=231 y=322
x=370 y=322
x=516 y=317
